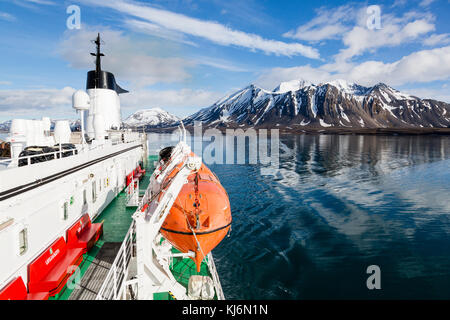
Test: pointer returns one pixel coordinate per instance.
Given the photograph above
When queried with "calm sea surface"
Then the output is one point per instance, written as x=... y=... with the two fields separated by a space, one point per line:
x=339 y=205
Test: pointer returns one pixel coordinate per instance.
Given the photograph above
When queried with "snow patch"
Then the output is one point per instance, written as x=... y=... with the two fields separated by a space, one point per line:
x=313 y=104
x=361 y=122
x=150 y=117
x=344 y=115
x=303 y=123
x=324 y=124
x=293 y=85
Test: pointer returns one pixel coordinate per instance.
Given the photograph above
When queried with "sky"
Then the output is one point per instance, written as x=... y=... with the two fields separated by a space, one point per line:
x=183 y=55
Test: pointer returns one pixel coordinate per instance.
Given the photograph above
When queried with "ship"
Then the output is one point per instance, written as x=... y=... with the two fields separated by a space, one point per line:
x=92 y=214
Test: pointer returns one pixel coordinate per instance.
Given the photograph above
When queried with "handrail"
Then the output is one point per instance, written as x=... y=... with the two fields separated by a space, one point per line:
x=54 y=153
x=132 y=193
x=113 y=286
x=128 y=137
x=215 y=276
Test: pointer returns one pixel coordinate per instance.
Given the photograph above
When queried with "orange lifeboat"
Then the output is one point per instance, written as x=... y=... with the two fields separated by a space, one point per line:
x=200 y=216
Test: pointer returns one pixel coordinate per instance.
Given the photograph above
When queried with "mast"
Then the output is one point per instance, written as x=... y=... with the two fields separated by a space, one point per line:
x=99 y=79
x=98 y=55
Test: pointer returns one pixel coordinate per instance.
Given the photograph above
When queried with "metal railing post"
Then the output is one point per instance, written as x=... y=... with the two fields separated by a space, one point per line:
x=114 y=282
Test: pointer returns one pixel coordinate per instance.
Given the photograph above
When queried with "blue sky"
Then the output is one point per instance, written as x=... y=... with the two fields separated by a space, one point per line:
x=182 y=55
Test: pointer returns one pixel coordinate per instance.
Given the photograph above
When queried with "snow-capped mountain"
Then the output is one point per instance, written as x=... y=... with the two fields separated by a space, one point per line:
x=297 y=104
x=154 y=117
x=75 y=125
x=4 y=126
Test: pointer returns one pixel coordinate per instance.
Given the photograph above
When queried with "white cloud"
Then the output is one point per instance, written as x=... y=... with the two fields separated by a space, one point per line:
x=349 y=23
x=157 y=31
x=33 y=103
x=395 y=31
x=127 y=59
x=421 y=66
x=418 y=67
x=45 y=2
x=399 y=3
x=209 y=30
x=57 y=103
x=7 y=16
x=31 y=4
x=437 y=39
x=168 y=98
x=328 y=24
x=273 y=77
x=219 y=64
x=426 y=3
x=426 y=93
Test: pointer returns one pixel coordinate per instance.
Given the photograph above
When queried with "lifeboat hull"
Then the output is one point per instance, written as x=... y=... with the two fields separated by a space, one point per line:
x=200 y=216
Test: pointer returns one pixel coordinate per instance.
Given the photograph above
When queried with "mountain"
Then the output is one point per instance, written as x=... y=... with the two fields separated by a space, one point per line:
x=152 y=118
x=300 y=104
x=4 y=126
x=74 y=125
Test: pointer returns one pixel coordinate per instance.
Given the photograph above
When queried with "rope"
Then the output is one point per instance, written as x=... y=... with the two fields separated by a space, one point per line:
x=195 y=235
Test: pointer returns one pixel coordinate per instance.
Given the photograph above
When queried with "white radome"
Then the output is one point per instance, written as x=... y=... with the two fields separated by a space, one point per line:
x=81 y=100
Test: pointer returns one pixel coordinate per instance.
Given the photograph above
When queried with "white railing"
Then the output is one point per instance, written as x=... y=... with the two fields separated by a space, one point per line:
x=55 y=154
x=116 y=137
x=113 y=287
x=215 y=276
x=133 y=193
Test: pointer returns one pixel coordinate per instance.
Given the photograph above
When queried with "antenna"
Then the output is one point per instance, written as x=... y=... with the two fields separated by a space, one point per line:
x=98 y=55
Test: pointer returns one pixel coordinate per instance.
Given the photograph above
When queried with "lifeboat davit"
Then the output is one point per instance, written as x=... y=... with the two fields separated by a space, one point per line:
x=200 y=216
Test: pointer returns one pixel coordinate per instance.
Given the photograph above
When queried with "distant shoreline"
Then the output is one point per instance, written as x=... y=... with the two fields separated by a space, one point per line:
x=339 y=131
x=375 y=131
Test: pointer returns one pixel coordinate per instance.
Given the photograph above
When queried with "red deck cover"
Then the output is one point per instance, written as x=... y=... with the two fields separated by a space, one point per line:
x=129 y=178
x=16 y=290
x=51 y=270
x=140 y=172
x=84 y=234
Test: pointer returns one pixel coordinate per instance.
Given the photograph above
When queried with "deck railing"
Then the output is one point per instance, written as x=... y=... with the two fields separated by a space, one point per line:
x=215 y=277
x=116 y=137
x=113 y=287
x=132 y=192
x=57 y=154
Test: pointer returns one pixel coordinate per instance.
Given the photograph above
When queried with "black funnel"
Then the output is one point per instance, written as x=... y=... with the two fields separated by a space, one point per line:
x=101 y=79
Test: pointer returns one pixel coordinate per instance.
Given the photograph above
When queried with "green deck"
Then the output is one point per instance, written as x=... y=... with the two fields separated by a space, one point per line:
x=88 y=258
x=116 y=221
x=182 y=269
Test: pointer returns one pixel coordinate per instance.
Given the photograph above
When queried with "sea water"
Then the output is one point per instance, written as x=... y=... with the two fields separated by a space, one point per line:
x=339 y=204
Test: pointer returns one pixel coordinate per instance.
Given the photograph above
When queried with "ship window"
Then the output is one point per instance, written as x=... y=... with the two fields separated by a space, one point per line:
x=65 y=210
x=100 y=184
x=23 y=241
x=94 y=191
x=84 y=197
